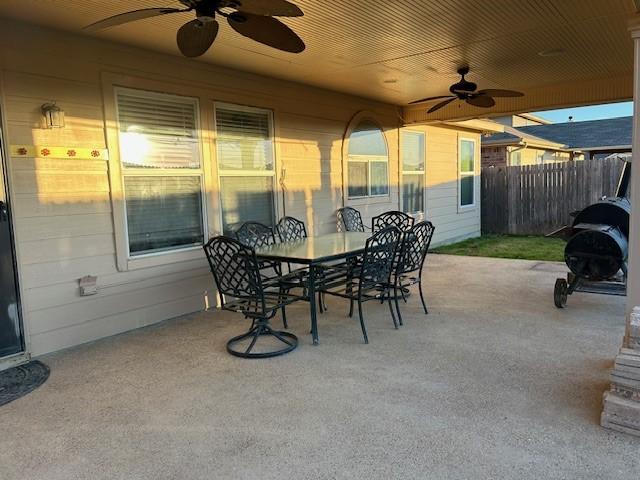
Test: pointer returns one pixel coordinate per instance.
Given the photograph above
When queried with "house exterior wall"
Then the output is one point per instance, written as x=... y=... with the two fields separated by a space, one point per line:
x=501 y=156
x=453 y=223
x=494 y=156
x=67 y=209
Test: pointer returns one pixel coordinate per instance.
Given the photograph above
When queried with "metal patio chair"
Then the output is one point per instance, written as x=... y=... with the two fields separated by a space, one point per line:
x=256 y=235
x=240 y=285
x=290 y=229
x=410 y=263
x=369 y=280
x=349 y=220
x=392 y=218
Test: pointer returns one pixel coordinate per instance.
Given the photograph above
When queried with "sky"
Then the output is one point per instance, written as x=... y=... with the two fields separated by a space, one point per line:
x=582 y=114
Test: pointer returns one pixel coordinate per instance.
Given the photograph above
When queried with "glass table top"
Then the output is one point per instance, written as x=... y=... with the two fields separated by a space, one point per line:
x=315 y=249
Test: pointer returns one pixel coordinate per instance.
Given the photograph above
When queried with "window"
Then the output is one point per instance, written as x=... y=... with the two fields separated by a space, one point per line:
x=467 y=172
x=516 y=158
x=162 y=171
x=245 y=165
x=413 y=157
x=368 y=162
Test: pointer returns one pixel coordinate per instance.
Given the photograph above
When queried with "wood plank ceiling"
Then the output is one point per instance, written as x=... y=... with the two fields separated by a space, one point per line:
x=399 y=50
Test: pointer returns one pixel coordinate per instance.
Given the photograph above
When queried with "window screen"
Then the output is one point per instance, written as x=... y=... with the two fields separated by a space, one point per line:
x=467 y=172
x=368 y=161
x=245 y=165
x=413 y=158
x=160 y=156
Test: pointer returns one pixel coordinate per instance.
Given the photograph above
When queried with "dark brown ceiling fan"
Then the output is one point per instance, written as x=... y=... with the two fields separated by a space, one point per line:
x=251 y=18
x=468 y=92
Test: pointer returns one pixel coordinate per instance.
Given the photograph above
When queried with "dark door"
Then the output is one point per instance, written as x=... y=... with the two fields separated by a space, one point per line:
x=11 y=338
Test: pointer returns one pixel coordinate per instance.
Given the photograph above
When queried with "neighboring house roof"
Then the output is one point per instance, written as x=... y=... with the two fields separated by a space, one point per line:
x=590 y=135
x=516 y=136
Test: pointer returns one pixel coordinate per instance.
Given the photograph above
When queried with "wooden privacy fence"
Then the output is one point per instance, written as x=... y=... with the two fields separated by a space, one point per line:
x=537 y=199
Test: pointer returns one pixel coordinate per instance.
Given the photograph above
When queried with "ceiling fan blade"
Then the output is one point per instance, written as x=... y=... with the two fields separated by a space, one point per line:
x=482 y=101
x=428 y=99
x=492 y=92
x=266 y=30
x=131 y=17
x=438 y=106
x=195 y=37
x=269 y=8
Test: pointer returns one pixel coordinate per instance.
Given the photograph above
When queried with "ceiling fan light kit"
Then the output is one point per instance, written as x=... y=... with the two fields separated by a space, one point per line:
x=468 y=92
x=253 y=19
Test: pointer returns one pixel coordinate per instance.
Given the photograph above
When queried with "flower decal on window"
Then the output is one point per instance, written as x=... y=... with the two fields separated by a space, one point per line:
x=45 y=152
x=22 y=151
x=95 y=153
x=71 y=153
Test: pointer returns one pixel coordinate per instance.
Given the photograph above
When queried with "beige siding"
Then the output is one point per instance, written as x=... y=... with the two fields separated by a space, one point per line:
x=63 y=214
x=452 y=223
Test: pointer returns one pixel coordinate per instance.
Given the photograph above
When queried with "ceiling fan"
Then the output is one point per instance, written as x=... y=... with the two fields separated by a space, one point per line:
x=468 y=92
x=251 y=18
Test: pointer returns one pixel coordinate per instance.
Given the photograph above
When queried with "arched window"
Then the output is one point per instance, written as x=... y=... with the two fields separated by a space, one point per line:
x=368 y=161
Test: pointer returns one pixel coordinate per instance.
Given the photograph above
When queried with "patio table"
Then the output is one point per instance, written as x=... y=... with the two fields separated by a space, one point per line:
x=312 y=252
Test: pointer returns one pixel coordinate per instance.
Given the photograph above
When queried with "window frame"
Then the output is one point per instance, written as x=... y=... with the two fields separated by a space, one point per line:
x=353 y=125
x=422 y=172
x=472 y=174
x=220 y=172
x=125 y=261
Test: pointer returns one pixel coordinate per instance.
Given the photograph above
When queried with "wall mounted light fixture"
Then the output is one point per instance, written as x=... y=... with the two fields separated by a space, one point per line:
x=53 y=115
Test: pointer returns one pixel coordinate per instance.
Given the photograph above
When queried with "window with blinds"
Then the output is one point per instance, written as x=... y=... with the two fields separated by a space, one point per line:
x=367 y=161
x=161 y=168
x=244 y=143
x=413 y=160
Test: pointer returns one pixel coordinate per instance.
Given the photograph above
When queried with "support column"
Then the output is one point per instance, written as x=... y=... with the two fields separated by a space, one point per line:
x=622 y=402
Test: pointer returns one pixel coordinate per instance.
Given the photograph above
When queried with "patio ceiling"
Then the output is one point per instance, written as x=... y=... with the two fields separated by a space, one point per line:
x=405 y=49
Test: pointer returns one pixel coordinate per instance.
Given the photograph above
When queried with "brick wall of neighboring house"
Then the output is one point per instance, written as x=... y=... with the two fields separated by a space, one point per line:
x=494 y=156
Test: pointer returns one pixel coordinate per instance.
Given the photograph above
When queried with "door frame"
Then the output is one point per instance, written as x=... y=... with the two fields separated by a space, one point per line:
x=5 y=192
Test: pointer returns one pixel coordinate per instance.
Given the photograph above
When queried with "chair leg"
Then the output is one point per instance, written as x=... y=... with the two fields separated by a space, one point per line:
x=395 y=298
x=424 y=305
x=261 y=328
x=393 y=316
x=320 y=303
x=284 y=313
x=364 y=330
x=404 y=297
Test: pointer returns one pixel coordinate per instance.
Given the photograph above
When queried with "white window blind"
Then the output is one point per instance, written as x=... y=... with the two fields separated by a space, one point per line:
x=368 y=161
x=158 y=131
x=246 y=165
x=413 y=170
x=160 y=156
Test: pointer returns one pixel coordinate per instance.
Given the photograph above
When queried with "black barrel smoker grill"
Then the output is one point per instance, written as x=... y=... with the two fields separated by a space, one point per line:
x=597 y=246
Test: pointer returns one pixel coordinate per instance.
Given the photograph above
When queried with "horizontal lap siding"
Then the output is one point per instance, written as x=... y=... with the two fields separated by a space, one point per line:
x=62 y=207
x=451 y=223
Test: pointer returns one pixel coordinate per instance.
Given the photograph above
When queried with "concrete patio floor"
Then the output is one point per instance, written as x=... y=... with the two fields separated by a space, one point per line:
x=494 y=383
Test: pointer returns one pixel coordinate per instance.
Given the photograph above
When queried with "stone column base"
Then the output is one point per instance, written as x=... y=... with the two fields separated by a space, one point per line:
x=622 y=402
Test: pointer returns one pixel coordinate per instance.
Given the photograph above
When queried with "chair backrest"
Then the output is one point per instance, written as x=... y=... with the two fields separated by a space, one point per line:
x=255 y=234
x=392 y=218
x=349 y=220
x=290 y=229
x=379 y=255
x=414 y=248
x=235 y=270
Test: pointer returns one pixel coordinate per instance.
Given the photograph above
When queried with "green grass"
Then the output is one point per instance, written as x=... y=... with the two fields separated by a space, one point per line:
x=509 y=246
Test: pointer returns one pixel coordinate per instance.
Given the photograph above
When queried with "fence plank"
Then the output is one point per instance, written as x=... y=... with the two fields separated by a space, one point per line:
x=536 y=199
